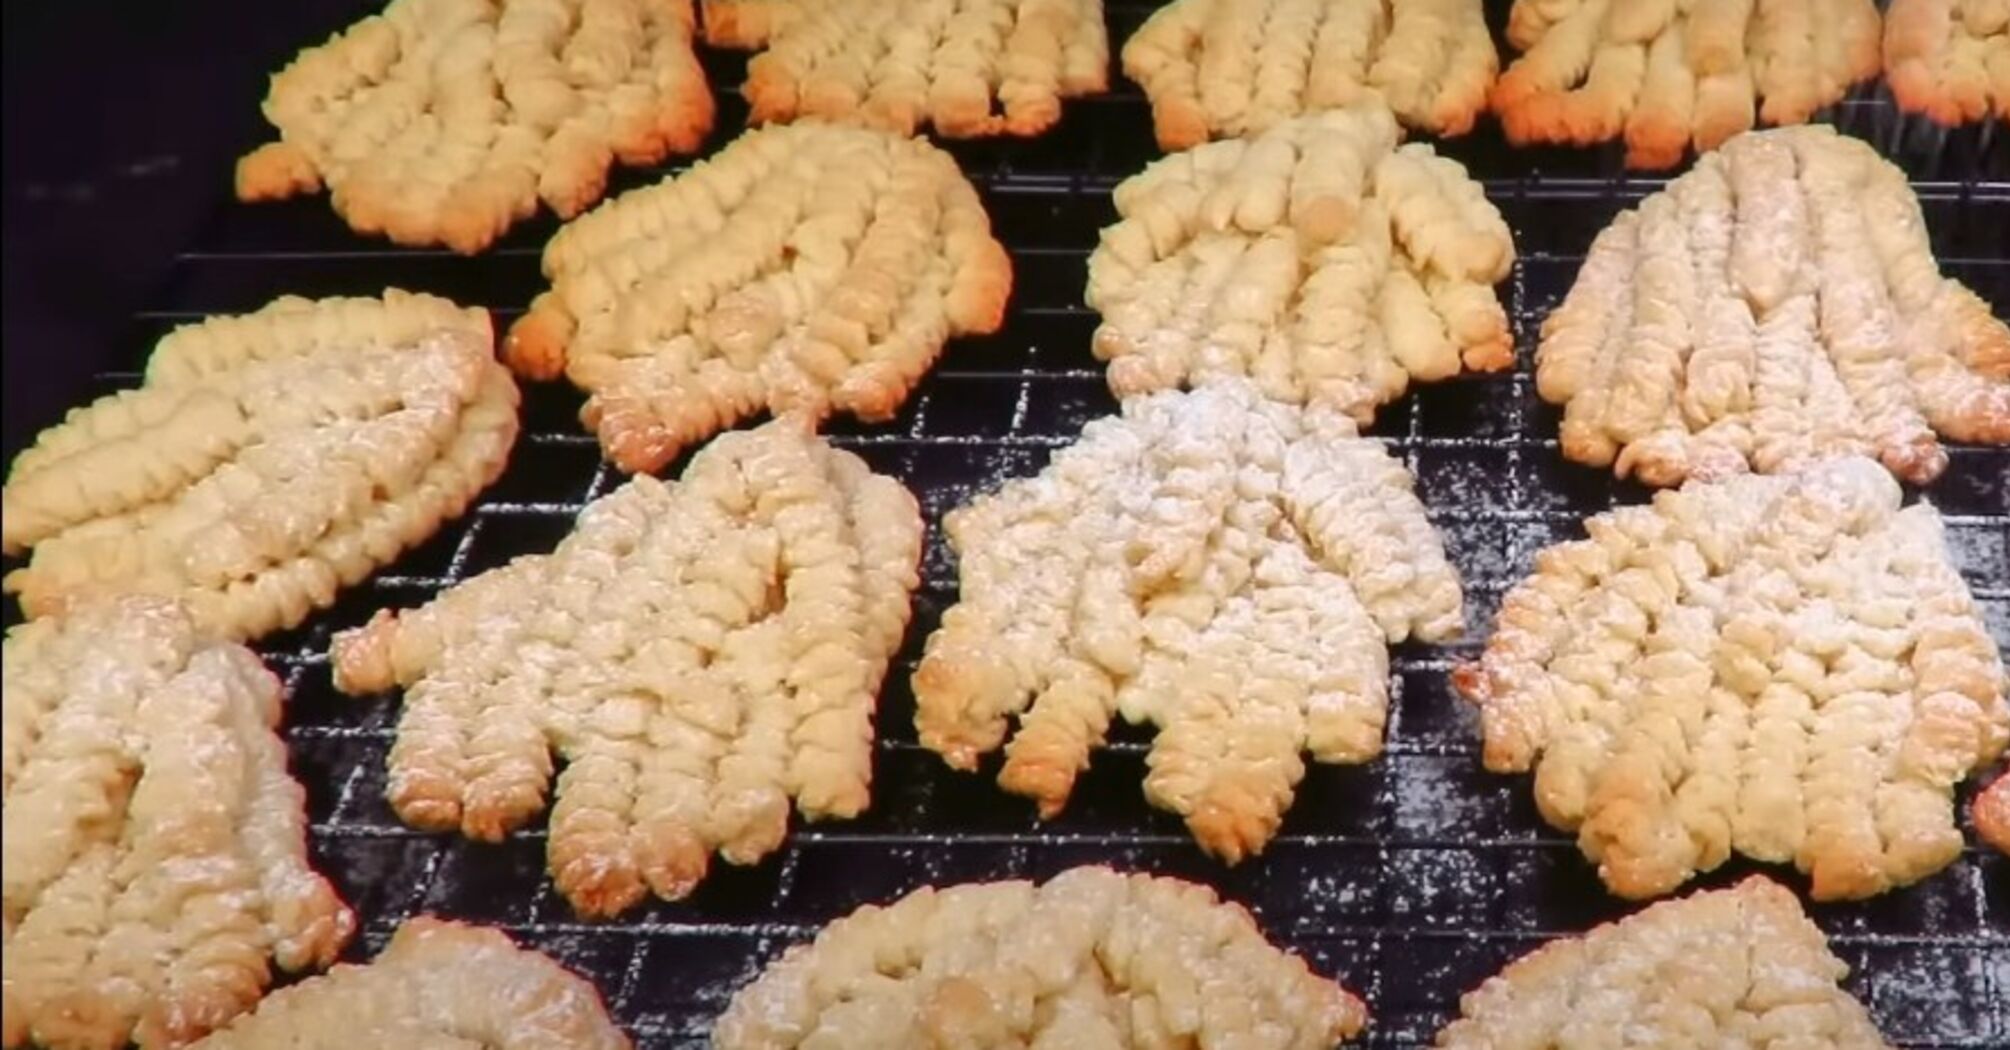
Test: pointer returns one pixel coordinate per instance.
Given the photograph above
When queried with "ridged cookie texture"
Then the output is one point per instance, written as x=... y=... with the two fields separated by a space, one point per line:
x=805 y=268
x=1319 y=259
x=1776 y=306
x=437 y=984
x=156 y=861
x=1090 y=960
x=267 y=461
x=1671 y=74
x=1787 y=667
x=1227 y=568
x=1740 y=967
x=966 y=68
x=1949 y=59
x=700 y=652
x=447 y=121
x=1236 y=68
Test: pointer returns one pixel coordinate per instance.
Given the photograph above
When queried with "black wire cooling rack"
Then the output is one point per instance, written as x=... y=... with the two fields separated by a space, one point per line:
x=1411 y=879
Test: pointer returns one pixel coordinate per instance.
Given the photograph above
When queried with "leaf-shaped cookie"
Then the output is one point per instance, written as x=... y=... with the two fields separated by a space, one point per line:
x=759 y=279
x=1949 y=59
x=1228 y=568
x=156 y=860
x=1788 y=667
x=1091 y=959
x=701 y=652
x=269 y=460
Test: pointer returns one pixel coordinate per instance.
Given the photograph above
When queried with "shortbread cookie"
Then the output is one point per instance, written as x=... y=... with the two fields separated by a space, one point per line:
x=1741 y=967
x=1777 y=305
x=1669 y=74
x=1227 y=568
x=699 y=652
x=156 y=860
x=1090 y=959
x=1788 y=667
x=1235 y=68
x=436 y=985
x=804 y=268
x=1992 y=813
x=965 y=67
x=1319 y=259
x=1949 y=59
x=446 y=121
x=268 y=460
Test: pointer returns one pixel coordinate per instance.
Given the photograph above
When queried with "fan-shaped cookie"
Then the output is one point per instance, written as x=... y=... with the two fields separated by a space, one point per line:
x=268 y=460
x=1949 y=59
x=1738 y=967
x=1668 y=74
x=1091 y=959
x=758 y=279
x=1319 y=259
x=437 y=984
x=967 y=67
x=1235 y=68
x=1228 y=568
x=1788 y=667
x=446 y=121
x=156 y=860
x=700 y=652
x=1992 y=813
x=1777 y=305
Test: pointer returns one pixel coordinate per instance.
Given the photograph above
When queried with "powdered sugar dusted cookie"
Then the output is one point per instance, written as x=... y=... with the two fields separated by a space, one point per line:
x=805 y=268
x=1735 y=967
x=1230 y=68
x=156 y=861
x=447 y=121
x=1319 y=259
x=1786 y=667
x=268 y=460
x=1228 y=568
x=701 y=653
x=1091 y=958
x=1777 y=305
x=965 y=67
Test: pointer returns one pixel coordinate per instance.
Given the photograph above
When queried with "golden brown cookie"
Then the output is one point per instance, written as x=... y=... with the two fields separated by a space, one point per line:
x=965 y=67
x=1091 y=959
x=1992 y=813
x=439 y=985
x=1233 y=68
x=156 y=860
x=1786 y=667
x=700 y=652
x=268 y=460
x=1777 y=305
x=1227 y=568
x=757 y=280
x=1949 y=59
x=1668 y=74
x=1741 y=967
x=1319 y=259
x=446 y=121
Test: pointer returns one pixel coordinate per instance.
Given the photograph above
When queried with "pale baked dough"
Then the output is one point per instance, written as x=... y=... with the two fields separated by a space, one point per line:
x=1091 y=960
x=1786 y=667
x=1319 y=259
x=1740 y=967
x=1227 y=568
x=1669 y=74
x=1777 y=305
x=804 y=268
x=437 y=986
x=156 y=861
x=1992 y=813
x=965 y=67
x=446 y=121
x=1236 y=68
x=700 y=653
x=268 y=460
x=1949 y=59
